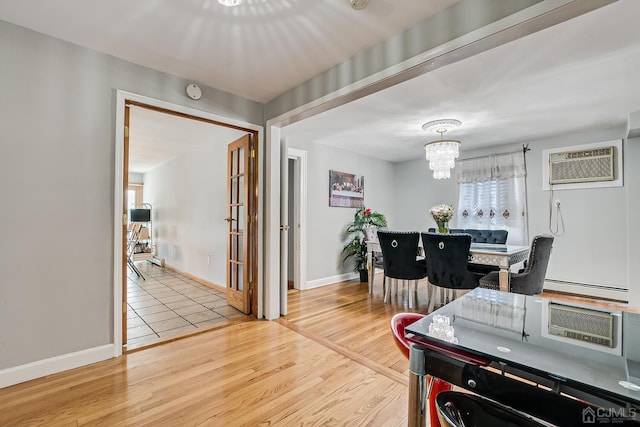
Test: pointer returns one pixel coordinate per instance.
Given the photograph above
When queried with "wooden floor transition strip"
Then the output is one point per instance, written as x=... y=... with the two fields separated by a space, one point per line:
x=358 y=358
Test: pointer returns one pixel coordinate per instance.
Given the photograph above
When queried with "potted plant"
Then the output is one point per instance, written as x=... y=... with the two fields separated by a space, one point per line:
x=356 y=239
x=442 y=214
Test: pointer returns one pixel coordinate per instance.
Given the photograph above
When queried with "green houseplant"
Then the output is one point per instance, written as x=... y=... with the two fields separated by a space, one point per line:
x=355 y=247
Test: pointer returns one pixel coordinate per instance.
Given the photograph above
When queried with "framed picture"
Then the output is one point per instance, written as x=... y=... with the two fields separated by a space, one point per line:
x=346 y=190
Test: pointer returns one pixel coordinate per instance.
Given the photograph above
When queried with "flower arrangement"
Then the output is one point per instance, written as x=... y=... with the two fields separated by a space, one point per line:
x=355 y=238
x=442 y=214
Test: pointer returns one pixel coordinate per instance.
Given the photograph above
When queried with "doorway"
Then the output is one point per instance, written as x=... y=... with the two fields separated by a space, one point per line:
x=297 y=195
x=294 y=223
x=183 y=265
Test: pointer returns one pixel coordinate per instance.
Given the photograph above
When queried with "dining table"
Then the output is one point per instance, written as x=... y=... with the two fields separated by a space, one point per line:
x=564 y=363
x=501 y=256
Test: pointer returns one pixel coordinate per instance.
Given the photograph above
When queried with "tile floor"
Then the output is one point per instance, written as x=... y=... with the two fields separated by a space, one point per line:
x=167 y=303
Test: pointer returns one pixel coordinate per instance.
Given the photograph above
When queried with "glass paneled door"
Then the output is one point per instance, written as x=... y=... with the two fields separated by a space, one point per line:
x=240 y=220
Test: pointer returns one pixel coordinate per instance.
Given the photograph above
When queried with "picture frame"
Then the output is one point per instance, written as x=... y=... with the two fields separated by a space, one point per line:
x=346 y=190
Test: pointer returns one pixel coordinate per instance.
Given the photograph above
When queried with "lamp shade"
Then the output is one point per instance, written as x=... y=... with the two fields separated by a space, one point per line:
x=441 y=156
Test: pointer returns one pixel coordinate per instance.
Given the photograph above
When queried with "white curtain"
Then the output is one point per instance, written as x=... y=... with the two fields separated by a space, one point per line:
x=492 y=195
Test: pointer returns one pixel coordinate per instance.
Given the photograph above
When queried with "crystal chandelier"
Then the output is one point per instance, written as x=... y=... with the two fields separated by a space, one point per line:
x=442 y=153
x=230 y=2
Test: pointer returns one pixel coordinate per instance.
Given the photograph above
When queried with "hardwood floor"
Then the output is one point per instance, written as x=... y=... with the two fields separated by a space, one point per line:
x=330 y=361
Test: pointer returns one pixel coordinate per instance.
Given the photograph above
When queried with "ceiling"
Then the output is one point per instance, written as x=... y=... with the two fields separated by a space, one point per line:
x=257 y=50
x=156 y=138
x=575 y=76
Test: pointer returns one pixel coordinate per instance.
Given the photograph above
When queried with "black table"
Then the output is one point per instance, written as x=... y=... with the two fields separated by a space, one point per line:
x=563 y=363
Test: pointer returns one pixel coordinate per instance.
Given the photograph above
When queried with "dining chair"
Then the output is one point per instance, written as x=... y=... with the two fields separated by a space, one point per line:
x=447 y=261
x=531 y=280
x=400 y=260
x=495 y=237
x=435 y=385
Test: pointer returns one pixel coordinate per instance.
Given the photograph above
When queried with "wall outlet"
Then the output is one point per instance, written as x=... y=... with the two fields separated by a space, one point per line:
x=556 y=203
x=208 y=259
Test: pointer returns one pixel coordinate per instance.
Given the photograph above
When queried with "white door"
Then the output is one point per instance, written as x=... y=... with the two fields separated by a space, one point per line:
x=284 y=226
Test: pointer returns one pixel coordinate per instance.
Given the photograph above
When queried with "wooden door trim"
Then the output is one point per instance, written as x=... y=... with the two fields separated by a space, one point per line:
x=125 y=186
x=125 y=99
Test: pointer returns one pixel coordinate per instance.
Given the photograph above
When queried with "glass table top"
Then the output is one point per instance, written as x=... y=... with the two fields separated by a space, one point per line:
x=567 y=342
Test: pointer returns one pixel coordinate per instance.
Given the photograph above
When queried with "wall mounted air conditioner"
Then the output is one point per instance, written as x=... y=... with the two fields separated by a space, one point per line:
x=581 y=166
x=595 y=165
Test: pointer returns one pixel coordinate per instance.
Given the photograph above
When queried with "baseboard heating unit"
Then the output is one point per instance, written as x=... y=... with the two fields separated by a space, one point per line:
x=157 y=261
x=587 y=289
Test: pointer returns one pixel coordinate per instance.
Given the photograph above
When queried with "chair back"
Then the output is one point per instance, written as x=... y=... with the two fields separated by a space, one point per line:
x=531 y=280
x=498 y=237
x=447 y=257
x=399 y=251
x=371 y=233
x=398 y=322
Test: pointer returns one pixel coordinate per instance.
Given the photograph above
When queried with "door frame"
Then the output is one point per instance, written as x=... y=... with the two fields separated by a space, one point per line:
x=299 y=225
x=122 y=97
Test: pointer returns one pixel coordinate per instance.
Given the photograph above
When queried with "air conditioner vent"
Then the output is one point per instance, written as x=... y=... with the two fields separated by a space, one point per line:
x=581 y=166
x=581 y=324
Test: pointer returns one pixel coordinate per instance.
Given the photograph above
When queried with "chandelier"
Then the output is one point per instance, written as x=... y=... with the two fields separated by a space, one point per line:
x=230 y=2
x=442 y=153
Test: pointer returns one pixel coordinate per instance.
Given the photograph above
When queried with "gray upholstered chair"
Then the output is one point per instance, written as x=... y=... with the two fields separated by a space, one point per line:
x=447 y=261
x=399 y=254
x=531 y=280
x=371 y=233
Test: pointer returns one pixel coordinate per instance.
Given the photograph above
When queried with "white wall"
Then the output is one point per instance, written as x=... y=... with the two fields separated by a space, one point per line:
x=417 y=191
x=188 y=196
x=326 y=224
x=57 y=121
x=632 y=186
x=592 y=250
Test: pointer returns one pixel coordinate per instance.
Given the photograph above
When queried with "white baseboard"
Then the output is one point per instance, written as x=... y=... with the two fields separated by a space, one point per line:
x=584 y=289
x=330 y=280
x=53 y=365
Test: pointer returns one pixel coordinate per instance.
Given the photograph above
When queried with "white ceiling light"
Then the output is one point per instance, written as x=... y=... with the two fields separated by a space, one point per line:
x=230 y=2
x=442 y=153
x=359 y=4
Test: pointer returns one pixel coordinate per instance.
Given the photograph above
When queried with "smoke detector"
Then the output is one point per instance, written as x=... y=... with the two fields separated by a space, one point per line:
x=358 y=4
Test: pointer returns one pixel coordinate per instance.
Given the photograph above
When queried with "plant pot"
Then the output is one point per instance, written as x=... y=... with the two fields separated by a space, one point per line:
x=364 y=275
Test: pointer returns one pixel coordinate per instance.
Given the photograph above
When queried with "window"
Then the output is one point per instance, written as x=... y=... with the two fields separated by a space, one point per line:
x=134 y=195
x=492 y=195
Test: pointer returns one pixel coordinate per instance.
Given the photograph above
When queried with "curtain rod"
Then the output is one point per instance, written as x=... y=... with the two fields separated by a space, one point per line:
x=525 y=148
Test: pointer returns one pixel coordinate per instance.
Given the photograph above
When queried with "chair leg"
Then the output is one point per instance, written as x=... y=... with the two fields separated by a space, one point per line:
x=387 y=293
x=414 y=292
x=432 y=297
x=384 y=284
x=410 y=292
x=407 y=297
